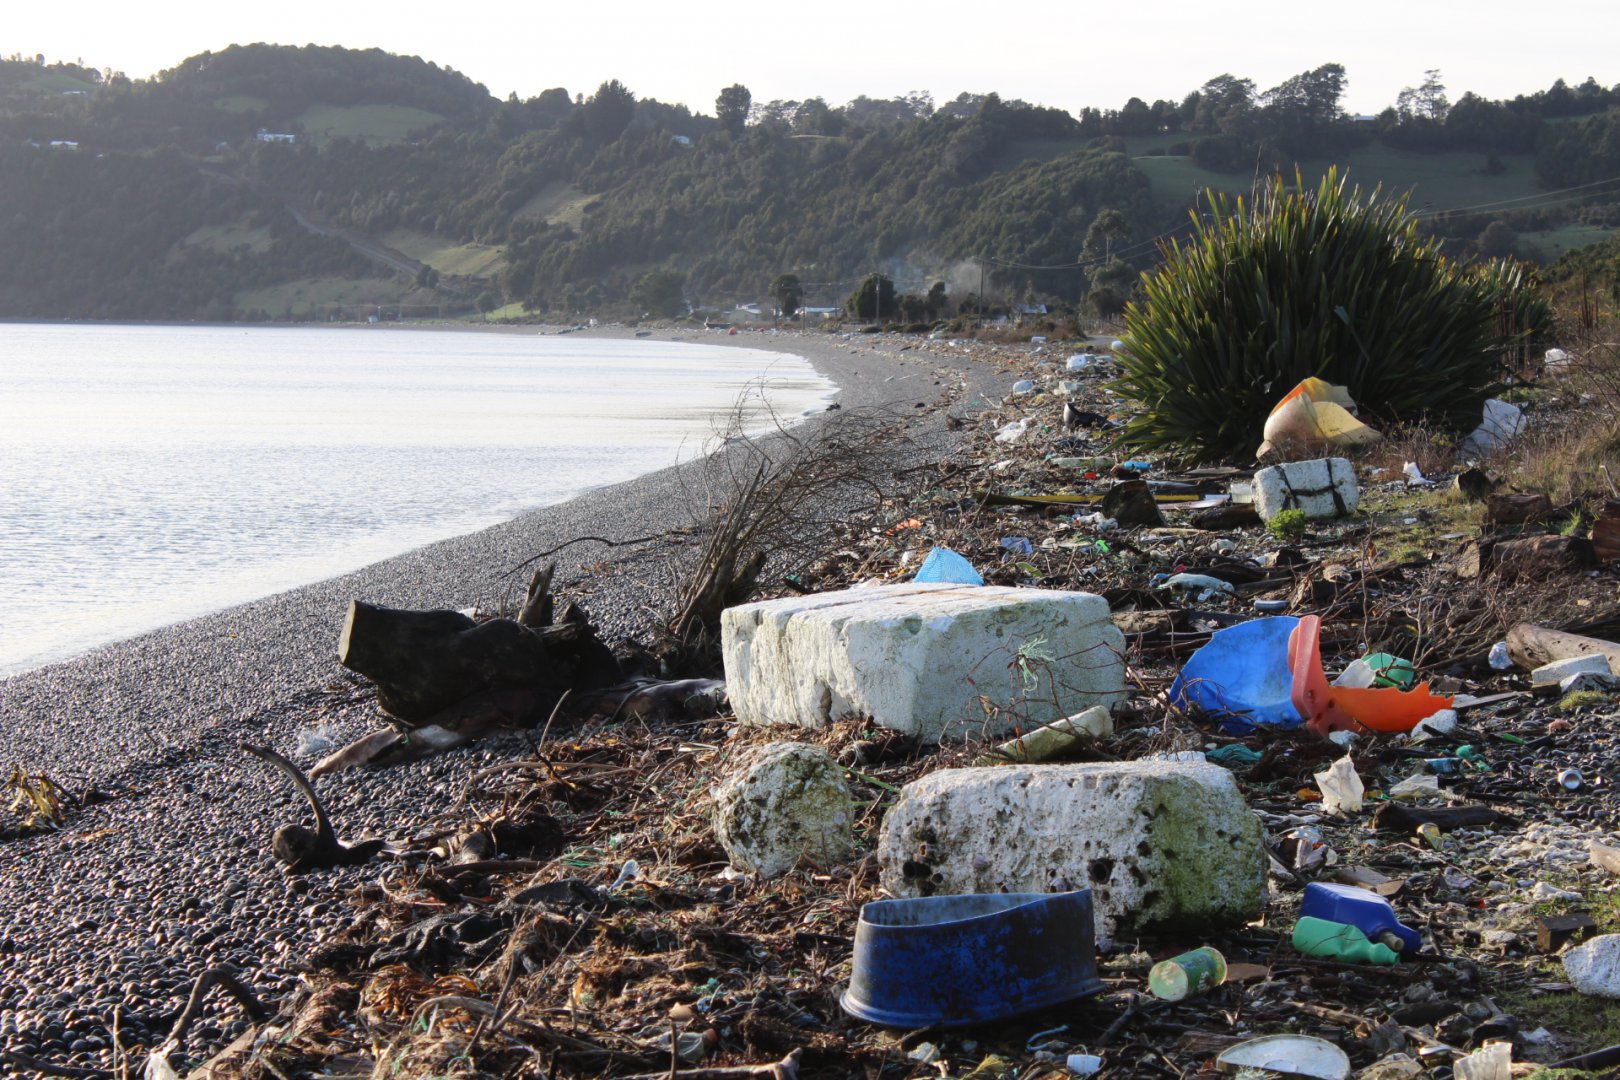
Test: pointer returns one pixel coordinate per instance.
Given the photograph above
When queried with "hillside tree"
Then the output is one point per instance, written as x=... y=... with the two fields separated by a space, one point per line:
x=788 y=293
x=731 y=107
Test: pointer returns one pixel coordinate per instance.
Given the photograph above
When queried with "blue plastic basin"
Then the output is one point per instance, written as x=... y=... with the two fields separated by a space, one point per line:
x=1242 y=678
x=956 y=960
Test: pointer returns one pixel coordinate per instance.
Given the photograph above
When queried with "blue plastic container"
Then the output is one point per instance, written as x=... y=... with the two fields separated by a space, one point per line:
x=1242 y=678
x=957 y=960
x=1366 y=911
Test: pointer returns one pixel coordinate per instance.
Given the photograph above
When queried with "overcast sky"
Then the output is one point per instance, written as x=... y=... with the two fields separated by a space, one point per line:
x=1064 y=54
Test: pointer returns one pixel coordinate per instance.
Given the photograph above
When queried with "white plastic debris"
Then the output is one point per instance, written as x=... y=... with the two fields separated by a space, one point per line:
x=1205 y=585
x=1414 y=475
x=1080 y=362
x=1012 y=432
x=1493 y=1061
x=1358 y=675
x=1501 y=422
x=1084 y=1064
x=1290 y=1055
x=1556 y=360
x=1441 y=723
x=1342 y=789
x=1415 y=787
x=1499 y=658
x=1544 y=891
x=1023 y=386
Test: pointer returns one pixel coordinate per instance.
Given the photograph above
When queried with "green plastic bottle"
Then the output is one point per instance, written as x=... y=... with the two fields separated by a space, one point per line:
x=1340 y=941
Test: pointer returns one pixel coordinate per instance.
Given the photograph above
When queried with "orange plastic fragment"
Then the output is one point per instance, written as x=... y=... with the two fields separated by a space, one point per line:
x=1327 y=708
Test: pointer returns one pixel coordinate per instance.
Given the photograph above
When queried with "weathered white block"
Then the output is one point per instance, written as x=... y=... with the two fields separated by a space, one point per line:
x=1157 y=842
x=1594 y=966
x=1323 y=488
x=925 y=659
x=785 y=803
x=1559 y=670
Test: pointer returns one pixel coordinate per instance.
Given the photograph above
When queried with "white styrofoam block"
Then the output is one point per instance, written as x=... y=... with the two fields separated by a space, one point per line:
x=1594 y=966
x=1323 y=488
x=1157 y=842
x=783 y=804
x=935 y=661
x=1559 y=670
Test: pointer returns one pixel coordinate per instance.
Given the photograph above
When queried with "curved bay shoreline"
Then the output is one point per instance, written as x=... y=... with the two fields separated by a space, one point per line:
x=127 y=905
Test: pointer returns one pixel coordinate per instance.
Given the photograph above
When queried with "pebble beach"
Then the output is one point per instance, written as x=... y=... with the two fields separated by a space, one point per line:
x=107 y=922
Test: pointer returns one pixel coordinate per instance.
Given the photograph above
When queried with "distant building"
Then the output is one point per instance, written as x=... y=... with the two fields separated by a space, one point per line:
x=681 y=140
x=275 y=136
x=1030 y=309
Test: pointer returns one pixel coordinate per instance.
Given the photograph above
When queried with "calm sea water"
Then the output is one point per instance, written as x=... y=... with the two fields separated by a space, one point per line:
x=153 y=474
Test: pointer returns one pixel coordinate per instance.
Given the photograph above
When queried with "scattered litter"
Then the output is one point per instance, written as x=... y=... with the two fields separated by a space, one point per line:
x=1018 y=545
x=1499 y=658
x=1289 y=1055
x=1414 y=475
x=1023 y=386
x=1415 y=787
x=1233 y=756
x=1315 y=415
x=1493 y=1061
x=1342 y=789
x=1241 y=678
x=1187 y=975
x=1012 y=432
x=945 y=565
x=1500 y=424
x=1319 y=489
x=1052 y=740
x=1206 y=585
x=1362 y=909
x=1340 y=941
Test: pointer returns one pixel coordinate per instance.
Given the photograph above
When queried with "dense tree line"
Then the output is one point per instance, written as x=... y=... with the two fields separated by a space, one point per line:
x=663 y=200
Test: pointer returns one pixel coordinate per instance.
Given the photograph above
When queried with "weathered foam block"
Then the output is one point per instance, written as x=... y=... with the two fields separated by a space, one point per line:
x=783 y=804
x=1323 y=488
x=1559 y=670
x=1157 y=842
x=922 y=658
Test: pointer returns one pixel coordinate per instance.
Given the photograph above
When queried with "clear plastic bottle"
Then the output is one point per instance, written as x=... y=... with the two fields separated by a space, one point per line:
x=1188 y=974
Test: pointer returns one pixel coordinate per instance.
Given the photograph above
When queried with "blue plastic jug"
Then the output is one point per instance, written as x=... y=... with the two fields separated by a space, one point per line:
x=1366 y=911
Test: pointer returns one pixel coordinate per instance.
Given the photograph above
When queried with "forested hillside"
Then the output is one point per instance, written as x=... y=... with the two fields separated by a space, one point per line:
x=256 y=181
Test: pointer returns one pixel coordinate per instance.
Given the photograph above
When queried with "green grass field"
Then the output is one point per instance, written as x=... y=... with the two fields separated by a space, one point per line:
x=57 y=82
x=1554 y=242
x=471 y=260
x=1448 y=181
x=375 y=124
x=558 y=203
x=307 y=297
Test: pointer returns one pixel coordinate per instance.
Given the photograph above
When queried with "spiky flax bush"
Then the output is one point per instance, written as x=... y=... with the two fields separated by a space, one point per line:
x=1327 y=283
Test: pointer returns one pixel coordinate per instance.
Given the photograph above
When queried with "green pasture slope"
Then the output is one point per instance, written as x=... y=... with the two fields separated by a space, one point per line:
x=373 y=124
x=1443 y=181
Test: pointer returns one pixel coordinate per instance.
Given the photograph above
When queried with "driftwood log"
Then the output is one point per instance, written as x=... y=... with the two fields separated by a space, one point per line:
x=434 y=666
x=1532 y=646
